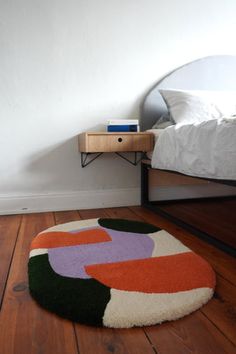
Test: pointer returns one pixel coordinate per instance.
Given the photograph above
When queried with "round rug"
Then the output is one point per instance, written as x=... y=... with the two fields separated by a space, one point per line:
x=116 y=273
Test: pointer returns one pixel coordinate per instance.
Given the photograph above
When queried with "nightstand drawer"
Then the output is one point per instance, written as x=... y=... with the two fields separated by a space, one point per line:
x=115 y=142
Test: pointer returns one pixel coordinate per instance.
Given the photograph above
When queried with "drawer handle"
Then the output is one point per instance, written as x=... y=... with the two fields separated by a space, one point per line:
x=120 y=140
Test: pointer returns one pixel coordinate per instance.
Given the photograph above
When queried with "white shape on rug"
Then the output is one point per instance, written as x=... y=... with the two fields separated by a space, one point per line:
x=166 y=245
x=127 y=308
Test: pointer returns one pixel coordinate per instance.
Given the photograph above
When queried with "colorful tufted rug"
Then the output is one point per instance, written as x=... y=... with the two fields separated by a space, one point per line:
x=116 y=273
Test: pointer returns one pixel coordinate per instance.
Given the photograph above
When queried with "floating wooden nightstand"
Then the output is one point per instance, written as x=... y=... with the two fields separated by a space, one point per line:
x=100 y=142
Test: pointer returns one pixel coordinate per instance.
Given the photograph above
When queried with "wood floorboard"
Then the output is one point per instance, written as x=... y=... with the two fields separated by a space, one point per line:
x=118 y=341
x=191 y=334
x=27 y=328
x=9 y=227
x=93 y=214
x=122 y=213
x=24 y=326
x=62 y=217
x=221 y=310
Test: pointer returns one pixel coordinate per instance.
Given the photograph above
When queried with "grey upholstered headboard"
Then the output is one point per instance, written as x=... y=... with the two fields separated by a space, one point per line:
x=209 y=73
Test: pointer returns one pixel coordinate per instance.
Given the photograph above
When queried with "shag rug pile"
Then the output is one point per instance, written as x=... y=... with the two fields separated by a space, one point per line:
x=116 y=273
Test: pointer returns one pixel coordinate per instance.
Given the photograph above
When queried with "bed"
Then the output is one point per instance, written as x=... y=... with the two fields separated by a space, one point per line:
x=194 y=157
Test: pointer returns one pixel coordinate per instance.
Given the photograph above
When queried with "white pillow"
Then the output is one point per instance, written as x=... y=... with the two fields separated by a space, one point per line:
x=198 y=106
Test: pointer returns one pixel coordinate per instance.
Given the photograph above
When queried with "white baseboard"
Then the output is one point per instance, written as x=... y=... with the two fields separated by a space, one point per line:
x=69 y=201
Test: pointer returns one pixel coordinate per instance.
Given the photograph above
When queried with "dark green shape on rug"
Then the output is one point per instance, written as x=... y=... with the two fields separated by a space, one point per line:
x=79 y=300
x=128 y=226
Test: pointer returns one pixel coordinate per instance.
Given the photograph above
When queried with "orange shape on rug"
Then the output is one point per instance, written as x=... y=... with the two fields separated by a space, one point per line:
x=62 y=239
x=166 y=274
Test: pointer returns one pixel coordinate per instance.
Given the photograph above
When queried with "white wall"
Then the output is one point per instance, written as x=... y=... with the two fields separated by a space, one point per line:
x=67 y=67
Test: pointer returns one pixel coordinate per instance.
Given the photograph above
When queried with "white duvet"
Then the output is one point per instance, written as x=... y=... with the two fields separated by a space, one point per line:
x=206 y=149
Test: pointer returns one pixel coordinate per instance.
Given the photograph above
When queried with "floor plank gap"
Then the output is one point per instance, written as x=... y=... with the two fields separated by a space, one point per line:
x=218 y=328
x=12 y=257
x=152 y=345
x=76 y=338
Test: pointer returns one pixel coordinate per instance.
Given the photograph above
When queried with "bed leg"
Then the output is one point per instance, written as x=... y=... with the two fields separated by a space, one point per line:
x=144 y=184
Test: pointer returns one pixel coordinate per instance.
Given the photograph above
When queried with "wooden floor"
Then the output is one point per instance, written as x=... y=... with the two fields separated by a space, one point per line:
x=25 y=328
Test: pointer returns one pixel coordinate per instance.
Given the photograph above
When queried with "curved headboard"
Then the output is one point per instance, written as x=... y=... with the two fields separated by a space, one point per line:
x=209 y=73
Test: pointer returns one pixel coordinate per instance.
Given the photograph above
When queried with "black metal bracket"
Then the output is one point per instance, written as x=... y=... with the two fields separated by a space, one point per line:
x=84 y=157
x=135 y=161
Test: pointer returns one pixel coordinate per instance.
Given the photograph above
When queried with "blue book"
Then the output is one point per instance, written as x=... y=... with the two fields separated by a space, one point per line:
x=123 y=128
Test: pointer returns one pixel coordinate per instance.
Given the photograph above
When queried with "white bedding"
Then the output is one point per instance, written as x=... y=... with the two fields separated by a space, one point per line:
x=206 y=149
x=156 y=133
